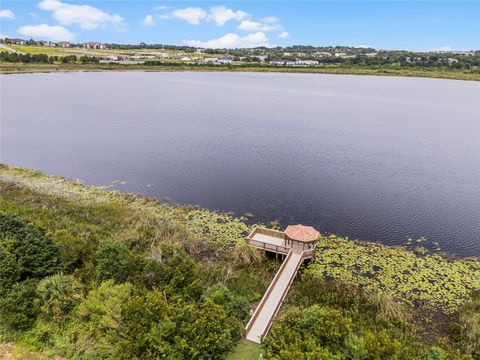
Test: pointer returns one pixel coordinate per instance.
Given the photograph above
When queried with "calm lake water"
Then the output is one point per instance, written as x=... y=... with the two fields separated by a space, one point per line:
x=373 y=158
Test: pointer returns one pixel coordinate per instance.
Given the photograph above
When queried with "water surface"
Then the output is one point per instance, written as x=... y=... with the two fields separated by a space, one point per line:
x=374 y=158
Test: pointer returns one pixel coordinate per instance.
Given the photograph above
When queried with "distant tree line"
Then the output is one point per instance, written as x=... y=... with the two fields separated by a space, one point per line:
x=45 y=59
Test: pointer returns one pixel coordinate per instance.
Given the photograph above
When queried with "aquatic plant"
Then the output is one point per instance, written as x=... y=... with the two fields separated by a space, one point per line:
x=429 y=280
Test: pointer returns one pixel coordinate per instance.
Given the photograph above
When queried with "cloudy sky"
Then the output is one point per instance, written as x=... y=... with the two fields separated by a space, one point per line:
x=417 y=25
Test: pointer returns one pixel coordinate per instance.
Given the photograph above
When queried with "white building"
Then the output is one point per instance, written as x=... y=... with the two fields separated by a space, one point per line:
x=94 y=45
x=225 y=60
x=306 y=62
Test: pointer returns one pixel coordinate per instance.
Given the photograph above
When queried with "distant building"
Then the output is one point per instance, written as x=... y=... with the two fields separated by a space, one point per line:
x=64 y=44
x=185 y=58
x=143 y=56
x=225 y=60
x=262 y=58
x=210 y=59
x=281 y=62
x=322 y=53
x=306 y=62
x=18 y=41
x=94 y=45
x=45 y=43
x=452 y=61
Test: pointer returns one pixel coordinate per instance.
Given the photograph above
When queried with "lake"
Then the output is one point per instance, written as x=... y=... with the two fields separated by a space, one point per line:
x=373 y=158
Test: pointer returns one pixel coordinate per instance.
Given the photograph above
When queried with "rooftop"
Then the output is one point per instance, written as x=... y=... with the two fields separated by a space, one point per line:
x=301 y=233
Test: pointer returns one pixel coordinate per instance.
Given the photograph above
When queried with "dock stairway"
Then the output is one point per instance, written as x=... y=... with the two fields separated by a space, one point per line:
x=296 y=252
x=267 y=309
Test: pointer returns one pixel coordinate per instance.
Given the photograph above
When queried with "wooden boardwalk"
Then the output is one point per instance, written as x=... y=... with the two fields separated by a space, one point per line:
x=275 y=241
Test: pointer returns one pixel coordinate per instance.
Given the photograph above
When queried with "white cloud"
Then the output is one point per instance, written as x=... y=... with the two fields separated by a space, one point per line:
x=284 y=35
x=33 y=15
x=149 y=20
x=6 y=14
x=269 y=23
x=364 y=46
x=231 y=41
x=192 y=15
x=56 y=33
x=443 y=48
x=249 y=25
x=221 y=14
x=87 y=17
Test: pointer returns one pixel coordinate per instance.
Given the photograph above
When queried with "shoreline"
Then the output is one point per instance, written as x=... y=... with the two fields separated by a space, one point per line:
x=17 y=68
x=26 y=173
x=426 y=291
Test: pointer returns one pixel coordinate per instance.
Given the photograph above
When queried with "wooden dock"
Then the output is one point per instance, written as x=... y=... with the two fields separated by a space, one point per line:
x=297 y=249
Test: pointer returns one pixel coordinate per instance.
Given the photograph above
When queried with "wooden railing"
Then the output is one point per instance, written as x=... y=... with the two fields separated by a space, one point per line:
x=270 y=247
x=282 y=298
x=269 y=232
x=267 y=294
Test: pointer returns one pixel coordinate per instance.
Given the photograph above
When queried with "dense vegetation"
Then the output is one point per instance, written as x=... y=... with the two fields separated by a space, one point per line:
x=90 y=274
x=45 y=59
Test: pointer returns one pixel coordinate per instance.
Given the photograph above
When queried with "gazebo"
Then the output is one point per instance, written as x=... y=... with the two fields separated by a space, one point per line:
x=301 y=237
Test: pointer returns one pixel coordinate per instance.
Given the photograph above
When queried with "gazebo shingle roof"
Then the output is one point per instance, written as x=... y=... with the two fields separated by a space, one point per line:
x=301 y=233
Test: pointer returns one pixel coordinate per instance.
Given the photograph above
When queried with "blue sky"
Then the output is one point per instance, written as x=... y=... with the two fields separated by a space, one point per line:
x=412 y=25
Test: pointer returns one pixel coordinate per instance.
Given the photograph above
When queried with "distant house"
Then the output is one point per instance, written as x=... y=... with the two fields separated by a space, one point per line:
x=64 y=44
x=18 y=41
x=225 y=60
x=210 y=59
x=112 y=58
x=45 y=43
x=185 y=58
x=281 y=62
x=94 y=45
x=262 y=58
x=322 y=53
x=143 y=56
x=306 y=62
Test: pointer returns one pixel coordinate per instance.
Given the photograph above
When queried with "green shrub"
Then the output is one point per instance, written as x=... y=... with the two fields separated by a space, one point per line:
x=206 y=332
x=113 y=261
x=16 y=306
x=93 y=332
x=237 y=306
x=147 y=326
x=313 y=327
x=176 y=273
x=24 y=252
x=57 y=296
